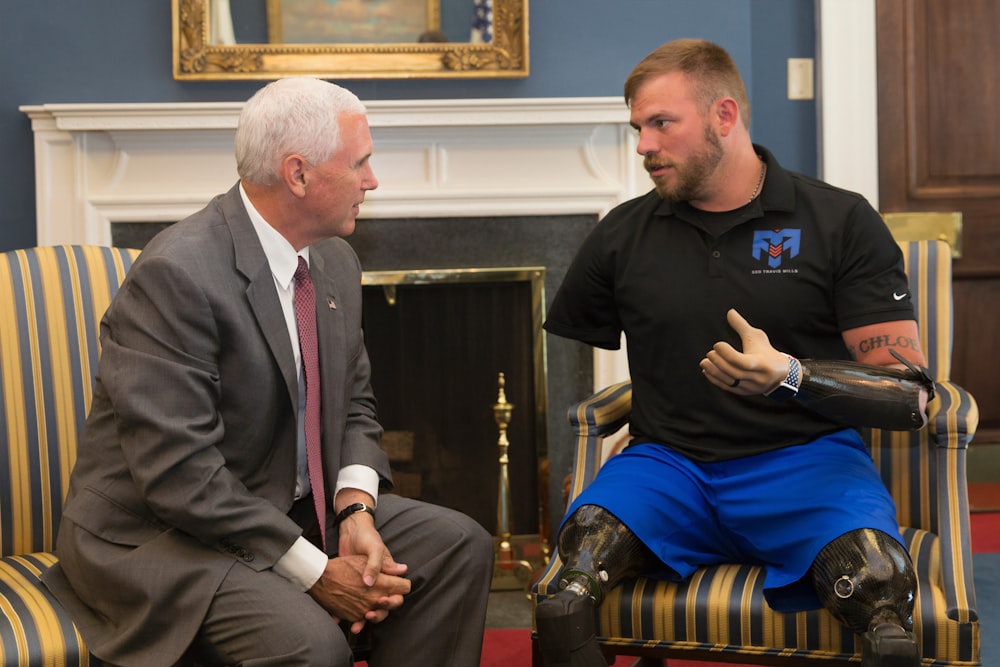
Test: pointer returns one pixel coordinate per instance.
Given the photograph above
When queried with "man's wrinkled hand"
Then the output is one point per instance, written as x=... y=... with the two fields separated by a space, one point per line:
x=342 y=591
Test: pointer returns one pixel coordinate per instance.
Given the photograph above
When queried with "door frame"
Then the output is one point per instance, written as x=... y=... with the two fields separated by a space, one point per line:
x=847 y=103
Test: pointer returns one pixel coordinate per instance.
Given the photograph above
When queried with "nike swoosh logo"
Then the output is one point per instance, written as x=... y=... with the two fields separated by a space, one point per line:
x=899 y=297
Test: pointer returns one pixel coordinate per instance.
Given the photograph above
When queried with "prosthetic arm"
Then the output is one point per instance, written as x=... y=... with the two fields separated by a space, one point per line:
x=858 y=394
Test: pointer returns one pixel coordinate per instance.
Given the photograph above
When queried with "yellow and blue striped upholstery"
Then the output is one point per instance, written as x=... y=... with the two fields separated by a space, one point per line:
x=720 y=612
x=51 y=303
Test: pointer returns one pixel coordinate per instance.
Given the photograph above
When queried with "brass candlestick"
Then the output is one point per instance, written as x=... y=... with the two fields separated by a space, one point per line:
x=509 y=572
x=502 y=412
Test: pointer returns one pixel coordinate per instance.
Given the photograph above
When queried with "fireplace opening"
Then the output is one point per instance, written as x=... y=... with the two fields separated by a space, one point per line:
x=438 y=341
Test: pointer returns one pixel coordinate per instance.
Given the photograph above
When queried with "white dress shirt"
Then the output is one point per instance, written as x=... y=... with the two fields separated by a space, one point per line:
x=303 y=563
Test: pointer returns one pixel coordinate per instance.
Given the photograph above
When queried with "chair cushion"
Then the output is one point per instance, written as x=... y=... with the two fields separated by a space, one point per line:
x=647 y=613
x=35 y=629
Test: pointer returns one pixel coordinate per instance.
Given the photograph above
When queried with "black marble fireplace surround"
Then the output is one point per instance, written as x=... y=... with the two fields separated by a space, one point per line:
x=547 y=241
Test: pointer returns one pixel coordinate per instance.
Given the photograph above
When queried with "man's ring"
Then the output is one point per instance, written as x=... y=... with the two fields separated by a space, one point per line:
x=735 y=383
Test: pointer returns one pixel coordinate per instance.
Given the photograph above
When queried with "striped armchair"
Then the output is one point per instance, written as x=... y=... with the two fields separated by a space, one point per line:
x=719 y=614
x=51 y=302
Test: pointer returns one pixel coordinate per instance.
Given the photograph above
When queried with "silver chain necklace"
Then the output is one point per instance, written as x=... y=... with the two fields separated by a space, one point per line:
x=760 y=180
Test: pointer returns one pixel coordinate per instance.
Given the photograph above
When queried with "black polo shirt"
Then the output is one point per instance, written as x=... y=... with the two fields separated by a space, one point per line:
x=804 y=261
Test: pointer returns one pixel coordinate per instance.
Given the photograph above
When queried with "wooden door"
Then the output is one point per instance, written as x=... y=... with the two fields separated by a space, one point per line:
x=939 y=150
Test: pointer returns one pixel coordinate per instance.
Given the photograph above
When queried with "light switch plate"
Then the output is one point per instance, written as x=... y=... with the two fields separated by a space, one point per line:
x=800 y=78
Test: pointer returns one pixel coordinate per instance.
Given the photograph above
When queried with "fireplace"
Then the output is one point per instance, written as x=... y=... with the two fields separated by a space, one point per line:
x=439 y=342
x=464 y=184
x=546 y=242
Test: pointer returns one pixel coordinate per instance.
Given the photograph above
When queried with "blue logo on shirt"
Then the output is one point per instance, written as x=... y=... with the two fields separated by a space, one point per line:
x=773 y=243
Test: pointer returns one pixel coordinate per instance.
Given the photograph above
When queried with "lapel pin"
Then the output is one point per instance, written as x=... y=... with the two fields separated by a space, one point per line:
x=330 y=304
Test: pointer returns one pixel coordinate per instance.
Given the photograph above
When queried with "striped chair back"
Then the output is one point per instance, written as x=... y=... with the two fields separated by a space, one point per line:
x=928 y=266
x=51 y=303
x=907 y=462
x=926 y=475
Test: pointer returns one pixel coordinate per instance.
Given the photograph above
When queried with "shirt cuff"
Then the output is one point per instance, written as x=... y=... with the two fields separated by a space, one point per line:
x=360 y=477
x=303 y=564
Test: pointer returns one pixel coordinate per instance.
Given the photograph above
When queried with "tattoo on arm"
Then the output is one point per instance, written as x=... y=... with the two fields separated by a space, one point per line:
x=874 y=343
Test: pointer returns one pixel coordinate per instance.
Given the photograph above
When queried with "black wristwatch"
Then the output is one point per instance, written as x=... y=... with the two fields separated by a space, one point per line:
x=789 y=387
x=353 y=508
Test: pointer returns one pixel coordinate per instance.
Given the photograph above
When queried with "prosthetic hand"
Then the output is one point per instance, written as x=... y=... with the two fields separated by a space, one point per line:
x=851 y=393
x=598 y=551
x=865 y=579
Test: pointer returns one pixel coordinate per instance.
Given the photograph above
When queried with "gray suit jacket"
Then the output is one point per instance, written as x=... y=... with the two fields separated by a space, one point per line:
x=186 y=465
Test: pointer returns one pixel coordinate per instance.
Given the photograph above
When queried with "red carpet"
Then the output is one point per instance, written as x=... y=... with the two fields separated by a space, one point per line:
x=512 y=648
x=506 y=647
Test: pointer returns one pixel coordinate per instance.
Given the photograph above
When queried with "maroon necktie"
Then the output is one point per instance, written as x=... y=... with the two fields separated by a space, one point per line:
x=305 y=319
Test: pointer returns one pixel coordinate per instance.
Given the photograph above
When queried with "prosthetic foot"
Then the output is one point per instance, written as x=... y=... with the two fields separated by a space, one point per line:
x=889 y=645
x=598 y=551
x=566 y=630
x=865 y=579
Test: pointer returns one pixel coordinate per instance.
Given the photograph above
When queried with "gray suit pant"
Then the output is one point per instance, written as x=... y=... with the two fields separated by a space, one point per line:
x=259 y=618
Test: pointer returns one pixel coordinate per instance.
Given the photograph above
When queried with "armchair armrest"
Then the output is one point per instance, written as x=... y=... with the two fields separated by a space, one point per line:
x=951 y=425
x=954 y=416
x=592 y=420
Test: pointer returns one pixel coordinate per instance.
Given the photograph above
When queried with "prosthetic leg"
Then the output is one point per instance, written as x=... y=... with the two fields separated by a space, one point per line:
x=865 y=579
x=598 y=551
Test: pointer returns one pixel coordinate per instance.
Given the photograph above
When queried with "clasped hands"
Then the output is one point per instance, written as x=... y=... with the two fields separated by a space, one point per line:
x=364 y=583
x=757 y=369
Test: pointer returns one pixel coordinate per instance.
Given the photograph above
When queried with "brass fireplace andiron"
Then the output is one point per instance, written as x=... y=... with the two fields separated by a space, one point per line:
x=509 y=573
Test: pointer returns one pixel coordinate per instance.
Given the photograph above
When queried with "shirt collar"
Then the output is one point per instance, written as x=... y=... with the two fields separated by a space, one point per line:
x=281 y=256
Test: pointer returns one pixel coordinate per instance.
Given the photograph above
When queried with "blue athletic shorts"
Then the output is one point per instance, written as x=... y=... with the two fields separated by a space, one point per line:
x=776 y=509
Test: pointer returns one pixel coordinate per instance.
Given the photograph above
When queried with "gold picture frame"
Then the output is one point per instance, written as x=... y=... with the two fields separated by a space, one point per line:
x=195 y=58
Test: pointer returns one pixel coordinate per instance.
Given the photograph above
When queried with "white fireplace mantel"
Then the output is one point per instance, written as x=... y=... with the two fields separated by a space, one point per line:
x=97 y=164
x=102 y=163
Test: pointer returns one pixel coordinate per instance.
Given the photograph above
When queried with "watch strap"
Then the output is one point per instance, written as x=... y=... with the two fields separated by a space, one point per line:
x=353 y=508
x=788 y=387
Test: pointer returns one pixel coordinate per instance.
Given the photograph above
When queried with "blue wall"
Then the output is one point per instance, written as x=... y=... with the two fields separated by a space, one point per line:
x=113 y=51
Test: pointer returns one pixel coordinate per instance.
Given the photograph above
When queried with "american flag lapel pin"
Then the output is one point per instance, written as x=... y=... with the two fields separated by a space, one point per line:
x=330 y=303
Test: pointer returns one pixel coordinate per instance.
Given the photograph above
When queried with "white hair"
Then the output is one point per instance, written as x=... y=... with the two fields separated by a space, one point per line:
x=297 y=115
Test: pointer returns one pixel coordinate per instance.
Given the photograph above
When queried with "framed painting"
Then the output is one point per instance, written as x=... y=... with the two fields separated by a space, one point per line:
x=351 y=21
x=200 y=55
